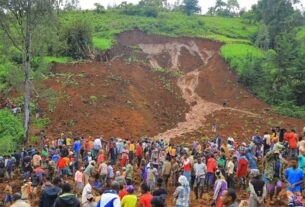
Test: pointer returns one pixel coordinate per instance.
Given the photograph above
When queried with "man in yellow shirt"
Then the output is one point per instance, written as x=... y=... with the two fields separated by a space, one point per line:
x=129 y=200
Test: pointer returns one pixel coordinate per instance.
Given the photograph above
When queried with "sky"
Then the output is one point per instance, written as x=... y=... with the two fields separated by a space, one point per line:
x=205 y=4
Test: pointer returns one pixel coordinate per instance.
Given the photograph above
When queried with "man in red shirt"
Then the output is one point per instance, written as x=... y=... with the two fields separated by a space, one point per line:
x=292 y=140
x=212 y=166
x=139 y=154
x=187 y=168
x=145 y=200
x=242 y=170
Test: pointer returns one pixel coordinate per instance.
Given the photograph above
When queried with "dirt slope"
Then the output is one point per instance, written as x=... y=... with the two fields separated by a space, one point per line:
x=134 y=101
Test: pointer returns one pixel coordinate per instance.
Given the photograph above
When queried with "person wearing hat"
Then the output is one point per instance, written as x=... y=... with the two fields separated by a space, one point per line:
x=273 y=165
x=130 y=200
x=258 y=190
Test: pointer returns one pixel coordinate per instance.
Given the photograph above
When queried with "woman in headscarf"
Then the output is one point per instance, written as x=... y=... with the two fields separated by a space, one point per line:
x=182 y=193
x=219 y=186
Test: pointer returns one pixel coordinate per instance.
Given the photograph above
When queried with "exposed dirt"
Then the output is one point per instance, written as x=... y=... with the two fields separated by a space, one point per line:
x=130 y=101
x=133 y=101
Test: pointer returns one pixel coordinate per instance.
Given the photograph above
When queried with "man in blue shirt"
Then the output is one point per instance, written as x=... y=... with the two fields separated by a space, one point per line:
x=294 y=176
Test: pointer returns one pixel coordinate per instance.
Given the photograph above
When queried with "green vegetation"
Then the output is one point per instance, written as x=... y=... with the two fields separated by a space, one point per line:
x=11 y=131
x=93 y=99
x=51 y=59
x=41 y=122
x=102 y=43
x=301 y=34
x=238 y=55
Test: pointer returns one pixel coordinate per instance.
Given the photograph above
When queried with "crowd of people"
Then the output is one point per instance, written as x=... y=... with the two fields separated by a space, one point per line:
x=92 y=172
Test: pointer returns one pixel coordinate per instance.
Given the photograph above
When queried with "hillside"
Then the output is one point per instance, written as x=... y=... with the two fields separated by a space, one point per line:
x=156 y=86
x=168 y=74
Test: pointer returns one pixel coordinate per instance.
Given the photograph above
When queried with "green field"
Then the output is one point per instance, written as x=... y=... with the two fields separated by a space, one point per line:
x=237 y=54
x=107 y=25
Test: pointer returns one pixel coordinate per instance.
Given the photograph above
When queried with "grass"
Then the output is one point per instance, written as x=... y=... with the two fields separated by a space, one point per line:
x=107 y=25
x=102 y=43
x=236 y=54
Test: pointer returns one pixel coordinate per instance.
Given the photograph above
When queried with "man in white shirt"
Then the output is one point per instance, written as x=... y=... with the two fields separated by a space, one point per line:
x=200 y=169
x=97 y=145
x=87 y=190
x=110 y=198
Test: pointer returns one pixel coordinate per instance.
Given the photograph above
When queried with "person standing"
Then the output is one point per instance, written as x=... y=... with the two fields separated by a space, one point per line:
x=50 y=193
x=187 y=167
x=166 y=170
x=97 y=145
x=110 y=197
x=139 y=154
x=211 y=165
x=273 y=165
x=129 y=200
x=129 y=174
x=200 y=169
x=292 y=140
x=230 y=171
x=67 y=199
x=182 y=193
x=258 y=191
x=242 y=170
x=294 y=176
x=145 y=199
x=219 y=186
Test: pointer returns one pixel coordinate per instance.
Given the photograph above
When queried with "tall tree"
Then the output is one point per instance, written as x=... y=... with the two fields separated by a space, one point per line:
x=18 y=19
x=191 y=7
x=277 y=15
x=233 y=6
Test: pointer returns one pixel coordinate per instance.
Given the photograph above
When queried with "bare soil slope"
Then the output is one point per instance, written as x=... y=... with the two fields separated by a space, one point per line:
x=133 y=101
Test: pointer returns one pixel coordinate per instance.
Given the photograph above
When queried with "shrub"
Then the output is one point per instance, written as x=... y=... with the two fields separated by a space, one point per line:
x=11 y=131
x=41 y=122
x=77 y=35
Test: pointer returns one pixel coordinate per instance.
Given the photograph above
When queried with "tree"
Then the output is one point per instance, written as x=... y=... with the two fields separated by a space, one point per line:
x=71 y=5
x=233 y=6
x=18 y=19
x=191 y=7
x=263 y=39
x=100 y=8
x=277 y=15
x=77 y=36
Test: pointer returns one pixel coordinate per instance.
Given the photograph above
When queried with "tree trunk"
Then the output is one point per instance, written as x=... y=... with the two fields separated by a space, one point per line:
x=28 y=43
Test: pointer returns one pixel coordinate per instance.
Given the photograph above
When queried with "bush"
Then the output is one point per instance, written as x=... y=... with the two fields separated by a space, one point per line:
x=41 y=122
x=77 y=35
x=11 y=131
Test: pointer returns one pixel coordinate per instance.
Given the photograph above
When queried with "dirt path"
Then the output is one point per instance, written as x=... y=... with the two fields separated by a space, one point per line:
x=188 y=83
